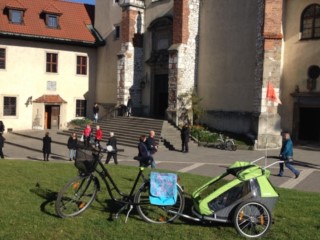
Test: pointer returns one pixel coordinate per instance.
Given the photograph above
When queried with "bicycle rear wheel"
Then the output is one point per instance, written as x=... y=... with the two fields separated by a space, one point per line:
x=231 y=146
x=76 y=196
x=157 y=214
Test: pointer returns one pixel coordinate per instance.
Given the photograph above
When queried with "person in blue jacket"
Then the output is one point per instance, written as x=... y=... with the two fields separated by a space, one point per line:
x=286 y=155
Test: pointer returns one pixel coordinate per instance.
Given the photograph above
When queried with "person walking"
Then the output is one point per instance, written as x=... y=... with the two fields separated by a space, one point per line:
x=144 y=154
x=72 y=146
x=152 y=146
x=86 y=136
x=112 y=149
x=129 y=106
x=46 y=148
x=2 y=139
x=286 y=155
x=98 y=136
x=185 y=132
x=2 y=128
x=95 y=112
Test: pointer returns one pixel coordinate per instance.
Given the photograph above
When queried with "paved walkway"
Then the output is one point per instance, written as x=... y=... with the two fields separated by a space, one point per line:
x=200 y=160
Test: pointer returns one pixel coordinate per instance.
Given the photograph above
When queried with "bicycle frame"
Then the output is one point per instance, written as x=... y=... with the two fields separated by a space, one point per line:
x=79 y=193
x=110 y=184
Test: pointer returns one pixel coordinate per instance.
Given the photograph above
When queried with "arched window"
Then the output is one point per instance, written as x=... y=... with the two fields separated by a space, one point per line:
x=310 y=22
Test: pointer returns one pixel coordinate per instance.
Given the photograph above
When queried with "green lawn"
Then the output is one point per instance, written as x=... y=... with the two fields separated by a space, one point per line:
x=28 y=190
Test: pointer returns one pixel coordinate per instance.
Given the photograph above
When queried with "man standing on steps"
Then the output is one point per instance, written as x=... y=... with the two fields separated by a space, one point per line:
x=95 y=112
x=129 y=106
x=152 y=146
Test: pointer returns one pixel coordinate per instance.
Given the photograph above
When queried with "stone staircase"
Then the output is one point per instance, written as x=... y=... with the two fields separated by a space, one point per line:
x=127 y=130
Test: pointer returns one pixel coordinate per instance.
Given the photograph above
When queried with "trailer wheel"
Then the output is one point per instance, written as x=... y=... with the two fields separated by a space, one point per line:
x=252 y=219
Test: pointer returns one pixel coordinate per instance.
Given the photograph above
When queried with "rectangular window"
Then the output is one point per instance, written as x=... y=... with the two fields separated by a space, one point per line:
x=116 y=32
x=9 y=106
x=2 y=58
x=52 y=62
x=15 y=16
x=81 y=108
x=82 y=65
x=52 y=21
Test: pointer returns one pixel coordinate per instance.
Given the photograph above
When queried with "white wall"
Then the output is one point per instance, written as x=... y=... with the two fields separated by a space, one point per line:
x=25 y=75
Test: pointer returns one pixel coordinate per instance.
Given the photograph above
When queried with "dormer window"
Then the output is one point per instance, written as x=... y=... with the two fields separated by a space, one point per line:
x=15 y=12
x=52 y=21
x=51 y=15
x=16 y=16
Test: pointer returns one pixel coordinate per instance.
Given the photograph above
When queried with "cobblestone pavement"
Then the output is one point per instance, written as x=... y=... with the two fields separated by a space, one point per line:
x=200 y=160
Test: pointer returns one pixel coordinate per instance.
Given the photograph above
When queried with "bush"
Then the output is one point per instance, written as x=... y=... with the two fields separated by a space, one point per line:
x=80 y=122
x=203 y=135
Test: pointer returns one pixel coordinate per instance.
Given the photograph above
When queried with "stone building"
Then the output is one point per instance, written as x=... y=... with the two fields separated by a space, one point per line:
x=158 y=52
x=227 y=51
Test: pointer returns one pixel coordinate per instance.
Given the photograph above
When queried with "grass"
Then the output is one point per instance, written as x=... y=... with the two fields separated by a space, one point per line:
x=28 y=190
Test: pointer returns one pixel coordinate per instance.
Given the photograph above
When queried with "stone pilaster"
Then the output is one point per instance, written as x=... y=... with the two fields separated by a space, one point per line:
x=183 y=59
x=269 y=69
x=130 y=66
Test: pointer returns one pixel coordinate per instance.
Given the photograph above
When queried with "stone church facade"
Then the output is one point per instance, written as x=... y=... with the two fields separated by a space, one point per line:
x=158 y=52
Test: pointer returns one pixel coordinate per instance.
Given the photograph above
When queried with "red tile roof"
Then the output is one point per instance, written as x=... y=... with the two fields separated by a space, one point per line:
x=75 y=22
x=50 y=99
x=15 y=4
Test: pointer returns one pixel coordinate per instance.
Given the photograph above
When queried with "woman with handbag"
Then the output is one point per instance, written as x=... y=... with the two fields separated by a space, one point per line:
x=144 y=154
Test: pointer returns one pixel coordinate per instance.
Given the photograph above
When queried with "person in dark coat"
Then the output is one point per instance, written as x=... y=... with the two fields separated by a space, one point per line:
x=72 y=146
x=144 y=154
x=185 y=132
x=112 y=143
x=46 y=149
x=2 y=128
x=2 y=139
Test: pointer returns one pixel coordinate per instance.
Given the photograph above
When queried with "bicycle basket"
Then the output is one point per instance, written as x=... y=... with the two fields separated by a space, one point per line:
x=86 y=161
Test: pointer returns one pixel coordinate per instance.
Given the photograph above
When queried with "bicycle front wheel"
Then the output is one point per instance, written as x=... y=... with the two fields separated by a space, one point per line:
x=157 y=214
x=76 y=196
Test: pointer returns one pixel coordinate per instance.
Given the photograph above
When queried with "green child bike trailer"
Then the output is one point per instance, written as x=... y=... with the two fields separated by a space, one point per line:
x=243 y=195
x=163 y=190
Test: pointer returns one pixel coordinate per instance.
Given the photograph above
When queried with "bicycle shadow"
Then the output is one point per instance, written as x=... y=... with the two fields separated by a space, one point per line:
x=108 y=206
x=50 y=197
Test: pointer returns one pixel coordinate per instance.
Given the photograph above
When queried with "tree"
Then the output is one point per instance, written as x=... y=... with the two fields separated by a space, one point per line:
x=189 y=107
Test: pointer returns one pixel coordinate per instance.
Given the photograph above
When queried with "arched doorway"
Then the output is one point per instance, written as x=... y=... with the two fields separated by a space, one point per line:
x=158 y=63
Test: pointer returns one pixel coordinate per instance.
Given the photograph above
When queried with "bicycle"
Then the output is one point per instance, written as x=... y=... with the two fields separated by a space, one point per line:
x=226 y=143
x=79 y=193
